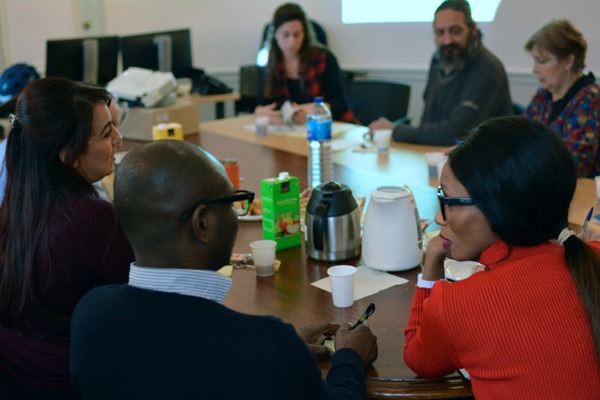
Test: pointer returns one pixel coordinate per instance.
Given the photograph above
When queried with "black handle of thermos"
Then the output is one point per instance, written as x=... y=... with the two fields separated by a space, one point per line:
x=320 y=214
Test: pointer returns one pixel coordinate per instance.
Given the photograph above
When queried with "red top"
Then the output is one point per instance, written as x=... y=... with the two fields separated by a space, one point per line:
x=519 y=329
x=88 y=249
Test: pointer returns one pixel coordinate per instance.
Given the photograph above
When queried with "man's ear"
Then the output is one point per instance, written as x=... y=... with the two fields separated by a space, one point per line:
x=200 y=223
x=474 y=29
x=63 y=155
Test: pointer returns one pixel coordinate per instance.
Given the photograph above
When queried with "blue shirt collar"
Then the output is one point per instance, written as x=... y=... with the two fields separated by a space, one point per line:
x=189 y=282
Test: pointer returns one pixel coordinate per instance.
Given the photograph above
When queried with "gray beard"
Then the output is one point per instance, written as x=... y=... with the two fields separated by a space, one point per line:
x=451 y=63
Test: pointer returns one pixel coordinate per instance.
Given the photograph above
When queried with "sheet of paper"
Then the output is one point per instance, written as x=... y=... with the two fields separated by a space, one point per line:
x=337 y=128
x=367 y=281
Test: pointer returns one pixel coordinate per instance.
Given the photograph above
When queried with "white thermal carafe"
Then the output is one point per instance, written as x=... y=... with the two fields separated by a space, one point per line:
x=391 y=232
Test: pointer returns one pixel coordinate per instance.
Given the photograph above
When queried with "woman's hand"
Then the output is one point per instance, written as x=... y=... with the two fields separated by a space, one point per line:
x=433 y=265
x=302 y=110
x=270 y=111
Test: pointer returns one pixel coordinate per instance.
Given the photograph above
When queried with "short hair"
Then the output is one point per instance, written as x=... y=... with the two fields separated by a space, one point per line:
x=520 y=175
x=149 y=199
x=561 y=38
x=462 y=6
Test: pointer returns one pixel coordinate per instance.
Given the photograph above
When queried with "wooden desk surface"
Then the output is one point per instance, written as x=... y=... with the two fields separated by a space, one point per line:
x=405 y=164
x=289 y=295
x=210 y=98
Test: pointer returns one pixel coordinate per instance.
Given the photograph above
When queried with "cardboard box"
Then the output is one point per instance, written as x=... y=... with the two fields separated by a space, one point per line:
x=281 y=210
x=139 y=121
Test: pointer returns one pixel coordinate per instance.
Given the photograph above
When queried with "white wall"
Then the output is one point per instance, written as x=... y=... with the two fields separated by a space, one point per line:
x=226 y=34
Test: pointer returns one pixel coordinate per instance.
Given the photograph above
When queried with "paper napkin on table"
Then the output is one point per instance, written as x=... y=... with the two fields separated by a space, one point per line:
x=367 y=281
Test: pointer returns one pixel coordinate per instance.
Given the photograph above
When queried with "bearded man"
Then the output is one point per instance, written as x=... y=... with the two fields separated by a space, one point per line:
x=467 y=84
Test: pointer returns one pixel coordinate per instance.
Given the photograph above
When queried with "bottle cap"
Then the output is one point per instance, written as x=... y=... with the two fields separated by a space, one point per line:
x=283 y=175
x=318 y=99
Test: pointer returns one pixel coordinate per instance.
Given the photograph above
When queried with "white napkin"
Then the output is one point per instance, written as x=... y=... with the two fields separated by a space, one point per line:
x=367 y=281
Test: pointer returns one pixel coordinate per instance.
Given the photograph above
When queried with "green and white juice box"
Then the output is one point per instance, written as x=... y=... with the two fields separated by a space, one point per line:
x=281 y=210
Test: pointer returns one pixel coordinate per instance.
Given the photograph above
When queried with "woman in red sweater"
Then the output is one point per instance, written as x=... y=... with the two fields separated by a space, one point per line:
x=528 y=326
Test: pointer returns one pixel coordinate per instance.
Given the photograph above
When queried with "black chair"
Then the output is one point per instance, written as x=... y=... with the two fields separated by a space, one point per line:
x=371 y=99
x=518 y=108
x=249 y=84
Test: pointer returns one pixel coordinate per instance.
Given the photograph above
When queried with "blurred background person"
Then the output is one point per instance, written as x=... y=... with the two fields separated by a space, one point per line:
x=528 y=325
x=58 y=240
x=568 y=101
x=467 y=84
x=299 y=70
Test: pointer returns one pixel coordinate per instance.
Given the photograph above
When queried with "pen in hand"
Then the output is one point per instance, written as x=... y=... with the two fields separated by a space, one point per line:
x=370 y=310
x=587 y=220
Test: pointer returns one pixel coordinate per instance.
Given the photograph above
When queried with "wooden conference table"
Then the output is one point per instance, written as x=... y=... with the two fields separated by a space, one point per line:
x=289 y=294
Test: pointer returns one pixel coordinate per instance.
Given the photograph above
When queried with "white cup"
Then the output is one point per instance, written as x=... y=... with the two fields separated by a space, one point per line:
x=263 y=252
x=597 y=179
x=433 y=160
x=440 y=165
x=382 y=139
x=341 y=278
x=262 y=123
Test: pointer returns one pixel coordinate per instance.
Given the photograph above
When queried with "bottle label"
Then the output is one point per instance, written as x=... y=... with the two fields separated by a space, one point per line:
x=318 y=130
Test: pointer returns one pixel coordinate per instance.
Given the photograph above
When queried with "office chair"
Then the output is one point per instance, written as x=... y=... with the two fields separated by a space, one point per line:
x=249 y=84
x=518 y=108
x=371 y=99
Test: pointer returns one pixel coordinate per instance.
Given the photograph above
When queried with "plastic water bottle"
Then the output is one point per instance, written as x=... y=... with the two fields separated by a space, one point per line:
x=318 y=129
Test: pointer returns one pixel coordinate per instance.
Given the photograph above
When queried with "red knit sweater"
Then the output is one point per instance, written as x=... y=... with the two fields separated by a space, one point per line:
x=519 y=328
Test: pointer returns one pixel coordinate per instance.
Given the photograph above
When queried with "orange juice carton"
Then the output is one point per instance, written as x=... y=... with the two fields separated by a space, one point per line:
x=281 y=210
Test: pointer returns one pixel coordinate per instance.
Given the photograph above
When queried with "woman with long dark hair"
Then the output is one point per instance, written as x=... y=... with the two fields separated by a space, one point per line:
x=58 y=240
x=300 y=70
x=528 y=325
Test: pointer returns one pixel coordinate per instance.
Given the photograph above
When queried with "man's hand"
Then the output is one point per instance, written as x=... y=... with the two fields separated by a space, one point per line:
x=360 y=339
x=315 y=334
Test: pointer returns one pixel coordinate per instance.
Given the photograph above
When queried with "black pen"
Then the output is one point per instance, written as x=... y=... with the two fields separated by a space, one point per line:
x=370 y=310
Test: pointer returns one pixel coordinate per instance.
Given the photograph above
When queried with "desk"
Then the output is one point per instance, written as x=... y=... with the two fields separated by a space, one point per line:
x=288 y=294
x=218 y=99
x=405 y=163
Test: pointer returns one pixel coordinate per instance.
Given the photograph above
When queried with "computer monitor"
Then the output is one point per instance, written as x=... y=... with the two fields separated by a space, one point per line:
x=86 y=59
x=168 y=51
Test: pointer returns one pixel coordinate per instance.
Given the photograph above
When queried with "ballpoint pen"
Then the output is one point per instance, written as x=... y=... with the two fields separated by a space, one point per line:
x=370 y=310
x=587 y=220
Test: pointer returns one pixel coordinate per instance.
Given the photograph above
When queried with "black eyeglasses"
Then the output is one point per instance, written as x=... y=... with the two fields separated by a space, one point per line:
x=240 y=202
x=451 y=201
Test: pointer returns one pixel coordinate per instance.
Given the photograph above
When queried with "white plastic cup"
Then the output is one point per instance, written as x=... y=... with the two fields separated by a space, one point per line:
x=262 y=123
x=341 y=278
x=263 y=252
x=440 y=166
x=597 y=179
x=433 y=160
x=382 y=138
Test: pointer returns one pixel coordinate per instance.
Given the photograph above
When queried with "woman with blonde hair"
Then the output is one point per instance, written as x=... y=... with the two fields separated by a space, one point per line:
x=568 y=101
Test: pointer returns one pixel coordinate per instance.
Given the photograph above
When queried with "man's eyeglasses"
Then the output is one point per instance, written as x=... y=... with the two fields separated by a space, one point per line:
x=451 y=201
x=240 y=202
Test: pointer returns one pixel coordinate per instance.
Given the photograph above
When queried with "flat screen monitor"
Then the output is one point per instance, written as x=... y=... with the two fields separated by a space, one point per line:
x=86 y=59
x=168 y=51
